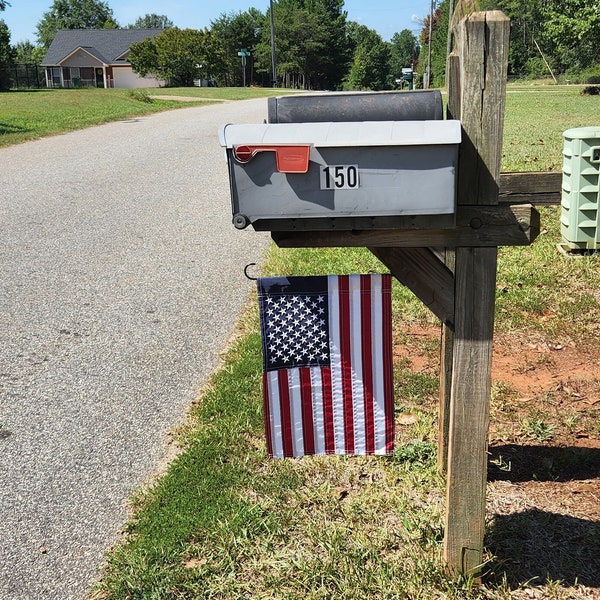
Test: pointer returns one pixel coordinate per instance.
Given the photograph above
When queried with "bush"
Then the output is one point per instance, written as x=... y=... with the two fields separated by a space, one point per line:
x=536 y=68
x=141 y=95
x=591 y=75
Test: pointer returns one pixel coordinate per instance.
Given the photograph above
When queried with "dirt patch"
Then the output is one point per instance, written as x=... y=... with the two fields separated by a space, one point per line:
x=543 y=504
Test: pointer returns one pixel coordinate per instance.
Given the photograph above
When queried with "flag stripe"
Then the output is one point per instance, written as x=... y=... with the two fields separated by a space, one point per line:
x=367 y=361
x=296 y=411
x=327 y=390
x=345 y=361
x=318 y=410
x=388 y=377
x=356 y=356
x=275 y=413
x=378 y=358
x=283 y=387
x=267 y=413
x=307 y=411
x=337 y=405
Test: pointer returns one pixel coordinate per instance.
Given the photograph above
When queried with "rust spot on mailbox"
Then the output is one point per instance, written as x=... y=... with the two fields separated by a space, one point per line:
x=289 y=159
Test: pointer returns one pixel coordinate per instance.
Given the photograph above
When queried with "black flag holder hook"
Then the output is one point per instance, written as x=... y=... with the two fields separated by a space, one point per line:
x=246 y=272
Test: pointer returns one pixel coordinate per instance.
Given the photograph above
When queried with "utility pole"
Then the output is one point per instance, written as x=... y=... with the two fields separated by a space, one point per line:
x=428 y=78
x=274 y=78
x=449 y=40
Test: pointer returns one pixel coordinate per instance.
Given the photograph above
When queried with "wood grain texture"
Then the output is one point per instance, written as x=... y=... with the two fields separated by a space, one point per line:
x=534 y=188
x=480 y=226
x=482 y=48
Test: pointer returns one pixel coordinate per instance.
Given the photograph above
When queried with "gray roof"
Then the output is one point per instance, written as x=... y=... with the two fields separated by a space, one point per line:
x=107 y=45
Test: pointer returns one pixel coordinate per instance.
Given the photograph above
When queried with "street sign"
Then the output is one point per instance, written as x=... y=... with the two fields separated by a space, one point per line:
x=243 y=53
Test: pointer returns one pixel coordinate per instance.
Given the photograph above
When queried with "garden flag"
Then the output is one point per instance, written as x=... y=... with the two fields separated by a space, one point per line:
x=327 y=364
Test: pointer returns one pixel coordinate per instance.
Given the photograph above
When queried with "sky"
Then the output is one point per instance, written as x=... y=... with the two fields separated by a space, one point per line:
x=384 y=16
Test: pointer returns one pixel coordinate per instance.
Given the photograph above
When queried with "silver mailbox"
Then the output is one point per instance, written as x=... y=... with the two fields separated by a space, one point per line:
x=342 y=175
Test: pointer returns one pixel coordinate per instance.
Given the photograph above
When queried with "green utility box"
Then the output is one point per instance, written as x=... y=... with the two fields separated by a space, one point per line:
x=580 y=216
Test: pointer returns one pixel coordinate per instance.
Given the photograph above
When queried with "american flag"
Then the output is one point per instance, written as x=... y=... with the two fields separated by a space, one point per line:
x=327 y=364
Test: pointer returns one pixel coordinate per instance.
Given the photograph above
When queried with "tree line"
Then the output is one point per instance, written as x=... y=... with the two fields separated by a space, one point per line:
x=553 y=38
x=318 y=47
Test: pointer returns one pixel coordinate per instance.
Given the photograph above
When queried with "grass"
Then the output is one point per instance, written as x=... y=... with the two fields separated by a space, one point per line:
x=34 y=114
x=226 y=93
x=29 y=115
x=224 y=522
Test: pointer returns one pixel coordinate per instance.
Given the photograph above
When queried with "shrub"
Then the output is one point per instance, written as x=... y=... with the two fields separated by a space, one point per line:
x=141 y=95
x=591 y=90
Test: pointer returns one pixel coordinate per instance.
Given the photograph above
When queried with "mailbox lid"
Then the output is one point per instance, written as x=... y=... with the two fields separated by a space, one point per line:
x=342 y=134
x=355 y=106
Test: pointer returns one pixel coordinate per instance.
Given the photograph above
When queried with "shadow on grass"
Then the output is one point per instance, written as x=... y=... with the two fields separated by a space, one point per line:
x=536 y=547
x=512 y=462
x=28 y=90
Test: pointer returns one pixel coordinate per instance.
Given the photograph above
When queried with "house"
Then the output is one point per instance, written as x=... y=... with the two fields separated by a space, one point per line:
x=95 y=58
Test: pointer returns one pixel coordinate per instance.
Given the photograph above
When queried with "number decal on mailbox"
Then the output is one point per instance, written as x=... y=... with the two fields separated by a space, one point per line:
x=339 y=177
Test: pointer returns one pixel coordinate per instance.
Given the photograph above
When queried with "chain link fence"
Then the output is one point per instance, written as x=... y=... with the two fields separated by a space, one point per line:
x=24 y=75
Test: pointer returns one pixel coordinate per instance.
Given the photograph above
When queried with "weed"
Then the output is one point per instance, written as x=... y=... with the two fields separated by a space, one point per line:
x=570 y=420
x=501 y=395
x=416 y=452
x=502 y=464
x=537 y=430
x=141 y=95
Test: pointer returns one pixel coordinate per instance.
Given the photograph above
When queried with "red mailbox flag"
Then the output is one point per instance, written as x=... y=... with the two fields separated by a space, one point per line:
x=327 y=364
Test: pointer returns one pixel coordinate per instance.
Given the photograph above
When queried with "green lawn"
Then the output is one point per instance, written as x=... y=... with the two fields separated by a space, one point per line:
x=29 y=115
x=536 y=118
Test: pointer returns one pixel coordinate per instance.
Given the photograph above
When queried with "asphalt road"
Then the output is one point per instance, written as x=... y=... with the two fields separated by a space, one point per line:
x=122 y=279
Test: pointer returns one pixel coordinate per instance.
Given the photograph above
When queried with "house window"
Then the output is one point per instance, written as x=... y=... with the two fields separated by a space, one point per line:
x=88 y=77
x=56 y=77
x=75 y=77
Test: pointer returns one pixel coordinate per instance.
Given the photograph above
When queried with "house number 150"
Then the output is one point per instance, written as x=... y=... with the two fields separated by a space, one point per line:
x=339 y=177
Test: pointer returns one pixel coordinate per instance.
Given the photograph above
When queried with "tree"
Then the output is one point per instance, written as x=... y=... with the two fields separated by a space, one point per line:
x=3 y=4
x=6 y=57
x=404 y=52
x=178 y=56
x=526 y=28
x=336 y=60
x=370 y=68
x=439 y=44
x=74 y=14
x=311 y=44
x=574 y=28
x=564 y=31
x=234 y=31
x=426 y=44
x=27 y=53
x=152 y=21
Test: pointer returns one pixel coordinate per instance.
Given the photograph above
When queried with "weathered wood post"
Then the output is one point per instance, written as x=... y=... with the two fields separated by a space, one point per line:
x=477 y=90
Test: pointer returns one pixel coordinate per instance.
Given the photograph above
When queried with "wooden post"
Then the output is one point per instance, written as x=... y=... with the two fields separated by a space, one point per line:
x=482 y=50
x=447 y=336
